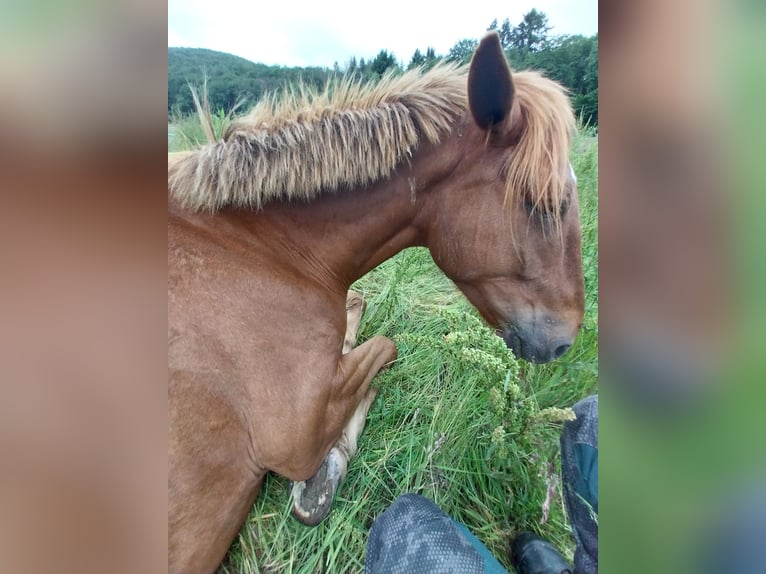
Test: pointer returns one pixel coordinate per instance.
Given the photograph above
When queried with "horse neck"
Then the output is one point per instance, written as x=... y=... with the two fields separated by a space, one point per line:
x=343 y=235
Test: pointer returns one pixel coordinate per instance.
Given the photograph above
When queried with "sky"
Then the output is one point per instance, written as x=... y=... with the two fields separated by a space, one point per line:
x=322 y=32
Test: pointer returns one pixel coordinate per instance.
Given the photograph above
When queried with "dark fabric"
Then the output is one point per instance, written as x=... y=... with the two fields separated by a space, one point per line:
x=491 y=565
x=586 y=460
x=579 y=470
x=414 y=536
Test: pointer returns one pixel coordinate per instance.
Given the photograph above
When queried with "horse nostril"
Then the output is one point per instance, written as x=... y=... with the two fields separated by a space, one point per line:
x=560 y=350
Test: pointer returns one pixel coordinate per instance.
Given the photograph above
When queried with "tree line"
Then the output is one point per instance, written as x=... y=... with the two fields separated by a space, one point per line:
x=571 y=60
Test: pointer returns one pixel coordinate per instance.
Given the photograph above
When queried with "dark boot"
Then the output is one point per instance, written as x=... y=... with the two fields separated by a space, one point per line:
x=530 y=554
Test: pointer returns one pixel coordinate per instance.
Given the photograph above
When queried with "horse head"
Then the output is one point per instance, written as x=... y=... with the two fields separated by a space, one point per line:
x=507 y=228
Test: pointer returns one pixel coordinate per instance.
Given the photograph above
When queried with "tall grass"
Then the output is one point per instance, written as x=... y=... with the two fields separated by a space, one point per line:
x=187 y=131
x=458 y=418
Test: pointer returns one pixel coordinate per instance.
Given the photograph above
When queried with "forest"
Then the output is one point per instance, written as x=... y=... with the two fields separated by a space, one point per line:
x=571 y=60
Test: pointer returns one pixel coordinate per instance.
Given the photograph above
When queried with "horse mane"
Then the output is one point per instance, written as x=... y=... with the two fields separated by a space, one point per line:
x=305 y=142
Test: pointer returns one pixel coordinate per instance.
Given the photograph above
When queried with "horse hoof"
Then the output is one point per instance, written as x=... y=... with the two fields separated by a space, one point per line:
x=312 y=498
x=354 y=299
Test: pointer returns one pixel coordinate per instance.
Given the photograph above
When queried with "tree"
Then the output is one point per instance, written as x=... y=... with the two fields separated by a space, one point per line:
x=565 y=60
x=573 y=62
x=418 y=59
x=588 y=102
x=462 y=51
x=504 y=32
x=431 y=58
x=382 y=62
x=351 y=66
x=531 y=34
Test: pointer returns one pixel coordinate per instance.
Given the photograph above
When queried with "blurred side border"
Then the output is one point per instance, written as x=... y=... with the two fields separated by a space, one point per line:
x=83 y=247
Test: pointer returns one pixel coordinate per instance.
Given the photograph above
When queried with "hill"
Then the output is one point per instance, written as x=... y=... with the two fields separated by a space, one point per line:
x=229 y=78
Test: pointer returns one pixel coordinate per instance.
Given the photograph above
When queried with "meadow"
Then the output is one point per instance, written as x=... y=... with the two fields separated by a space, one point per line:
x=458 y=419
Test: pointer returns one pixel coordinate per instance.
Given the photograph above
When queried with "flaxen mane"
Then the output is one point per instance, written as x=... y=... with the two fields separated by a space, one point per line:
x=303 y=143
x=539 y=169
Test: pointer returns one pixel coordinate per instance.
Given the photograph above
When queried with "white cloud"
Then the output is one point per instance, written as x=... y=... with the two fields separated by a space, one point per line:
x=308 y=32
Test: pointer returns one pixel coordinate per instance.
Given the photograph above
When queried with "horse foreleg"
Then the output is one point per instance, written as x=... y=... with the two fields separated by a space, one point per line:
x=312 y=498
x=355 y=306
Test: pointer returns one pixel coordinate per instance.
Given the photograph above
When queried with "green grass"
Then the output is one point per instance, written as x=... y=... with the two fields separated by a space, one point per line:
x=185 y=132
x=457 y=419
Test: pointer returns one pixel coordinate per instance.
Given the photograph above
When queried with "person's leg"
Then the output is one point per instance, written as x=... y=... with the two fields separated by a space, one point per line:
x=413 y=535
x=579 y=470
x=531 y=554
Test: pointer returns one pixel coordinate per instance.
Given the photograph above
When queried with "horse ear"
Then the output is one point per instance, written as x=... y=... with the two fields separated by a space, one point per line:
x=490 y=88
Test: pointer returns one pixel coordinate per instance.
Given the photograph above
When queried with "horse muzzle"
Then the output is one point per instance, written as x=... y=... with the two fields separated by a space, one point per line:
x=538 y=344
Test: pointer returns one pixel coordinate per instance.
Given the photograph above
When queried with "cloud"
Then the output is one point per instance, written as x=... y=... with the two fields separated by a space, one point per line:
x=305 y=32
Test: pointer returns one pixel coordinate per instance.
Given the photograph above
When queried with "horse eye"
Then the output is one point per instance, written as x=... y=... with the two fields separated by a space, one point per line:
x=545 y=214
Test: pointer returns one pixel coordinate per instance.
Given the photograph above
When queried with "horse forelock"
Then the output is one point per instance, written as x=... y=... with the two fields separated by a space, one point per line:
x=538 y=170
x=304 y=142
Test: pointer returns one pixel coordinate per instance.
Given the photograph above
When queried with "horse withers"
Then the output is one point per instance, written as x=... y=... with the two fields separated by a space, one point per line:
x=269 y=226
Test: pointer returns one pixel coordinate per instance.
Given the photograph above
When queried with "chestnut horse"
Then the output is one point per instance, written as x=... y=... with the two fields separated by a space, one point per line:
x=269 y=227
